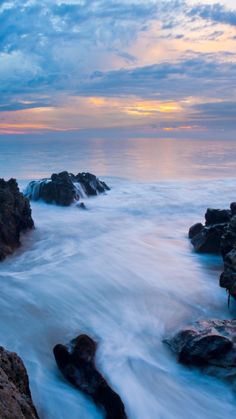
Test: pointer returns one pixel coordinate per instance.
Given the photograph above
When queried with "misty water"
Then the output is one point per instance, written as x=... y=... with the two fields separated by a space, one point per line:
x=122 y=272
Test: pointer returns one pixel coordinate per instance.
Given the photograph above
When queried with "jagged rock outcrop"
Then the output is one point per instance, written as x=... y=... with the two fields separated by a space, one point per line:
x=209 y=345
x=219 y=236
x=15 y=216
x=65 y=188
x=207 y=239
x=15 y=396
x=76 y=361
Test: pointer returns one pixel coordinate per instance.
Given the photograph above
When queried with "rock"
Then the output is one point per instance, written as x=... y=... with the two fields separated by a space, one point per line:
x=15 y=396
x=228 y=240
x=217 y=216
x=219 y=236
x=228 y=251
x=15 y=216
x=91 y=184
x=208 y=240
x=65 y=188
x=195 y=229
x=233 y=208
x=76 y=361
x=228 y=276
x=82 y=206
x=210 y=345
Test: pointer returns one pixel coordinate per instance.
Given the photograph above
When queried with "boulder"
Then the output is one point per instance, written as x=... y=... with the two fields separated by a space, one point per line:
x=228 y=276
x=208 y=240
x=209 y=345
x=76 y=361
x=81 y=206
x=15 y=216
x=228 y=240
x=228 y=251
x=65 y=188
x=217 y=216
x=15 y=396
x=219 y=236
x=195 y=229
x=233 y=208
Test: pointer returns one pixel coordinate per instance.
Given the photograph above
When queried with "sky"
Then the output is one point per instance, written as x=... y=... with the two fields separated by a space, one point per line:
x=155 y=67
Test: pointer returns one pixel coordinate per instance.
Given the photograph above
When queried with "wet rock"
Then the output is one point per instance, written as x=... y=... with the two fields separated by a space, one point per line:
x=65 y=188
x=210 y=345
x=91 y=184
x=228 y=276
x=15 y=216
x=208 y=240
x=228 y=240
x=82 y=206
x=195 y=229
x=219 y=236
x=217 y=216
x=76 y=361
x=15 y=396
x=228 y=251
x=233 y=208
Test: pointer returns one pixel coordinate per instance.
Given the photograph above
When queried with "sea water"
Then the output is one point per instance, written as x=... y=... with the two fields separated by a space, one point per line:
x=123 y=272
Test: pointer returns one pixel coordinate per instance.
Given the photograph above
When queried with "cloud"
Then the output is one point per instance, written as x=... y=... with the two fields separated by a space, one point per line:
x=216 y=13
x=201 y=74
x=51 y=50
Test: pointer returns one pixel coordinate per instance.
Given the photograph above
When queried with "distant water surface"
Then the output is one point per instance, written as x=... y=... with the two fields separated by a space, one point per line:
x=143 y=159
x=123 y=272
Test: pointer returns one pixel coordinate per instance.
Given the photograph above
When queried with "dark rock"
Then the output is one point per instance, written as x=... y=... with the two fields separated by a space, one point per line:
x=15 y=396
x=228 y=251
x=219 y=236
x=228 y=240
x=15 y=216
x=209 y=344
x=91 y=184
x=217 y=216
x=233 y=208
x=81 y=205
x=65 y=188
x=76 y=361
x=209 y=239
x=195 y=229
x=228 y=276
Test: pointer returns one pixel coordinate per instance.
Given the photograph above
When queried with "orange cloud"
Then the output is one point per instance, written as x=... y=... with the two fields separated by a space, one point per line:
x=79 y=112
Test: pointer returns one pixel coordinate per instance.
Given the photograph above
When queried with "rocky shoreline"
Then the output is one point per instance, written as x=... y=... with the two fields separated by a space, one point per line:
x=65 y=188
x=211 y=344
x=15 y=217
x=76 y=360
x=15 y=396
x=208 y=344
x=218 y=236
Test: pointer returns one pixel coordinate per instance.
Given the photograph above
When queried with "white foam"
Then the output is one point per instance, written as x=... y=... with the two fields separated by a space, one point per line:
x=124 y=273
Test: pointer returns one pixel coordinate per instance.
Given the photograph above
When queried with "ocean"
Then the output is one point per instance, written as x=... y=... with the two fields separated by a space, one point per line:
x=123 y=272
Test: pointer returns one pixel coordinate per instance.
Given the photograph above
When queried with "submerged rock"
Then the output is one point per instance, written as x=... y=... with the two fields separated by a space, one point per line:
x=65 y=188
x=15 y=216
x=81 y=206
x=209 y=345
x=15 y=396
x=76 y=361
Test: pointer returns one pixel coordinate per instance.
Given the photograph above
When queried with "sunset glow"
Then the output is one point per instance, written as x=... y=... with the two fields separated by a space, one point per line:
x=148 y=63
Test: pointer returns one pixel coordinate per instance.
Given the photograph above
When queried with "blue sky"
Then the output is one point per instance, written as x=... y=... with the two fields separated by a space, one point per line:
x=155 y=66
